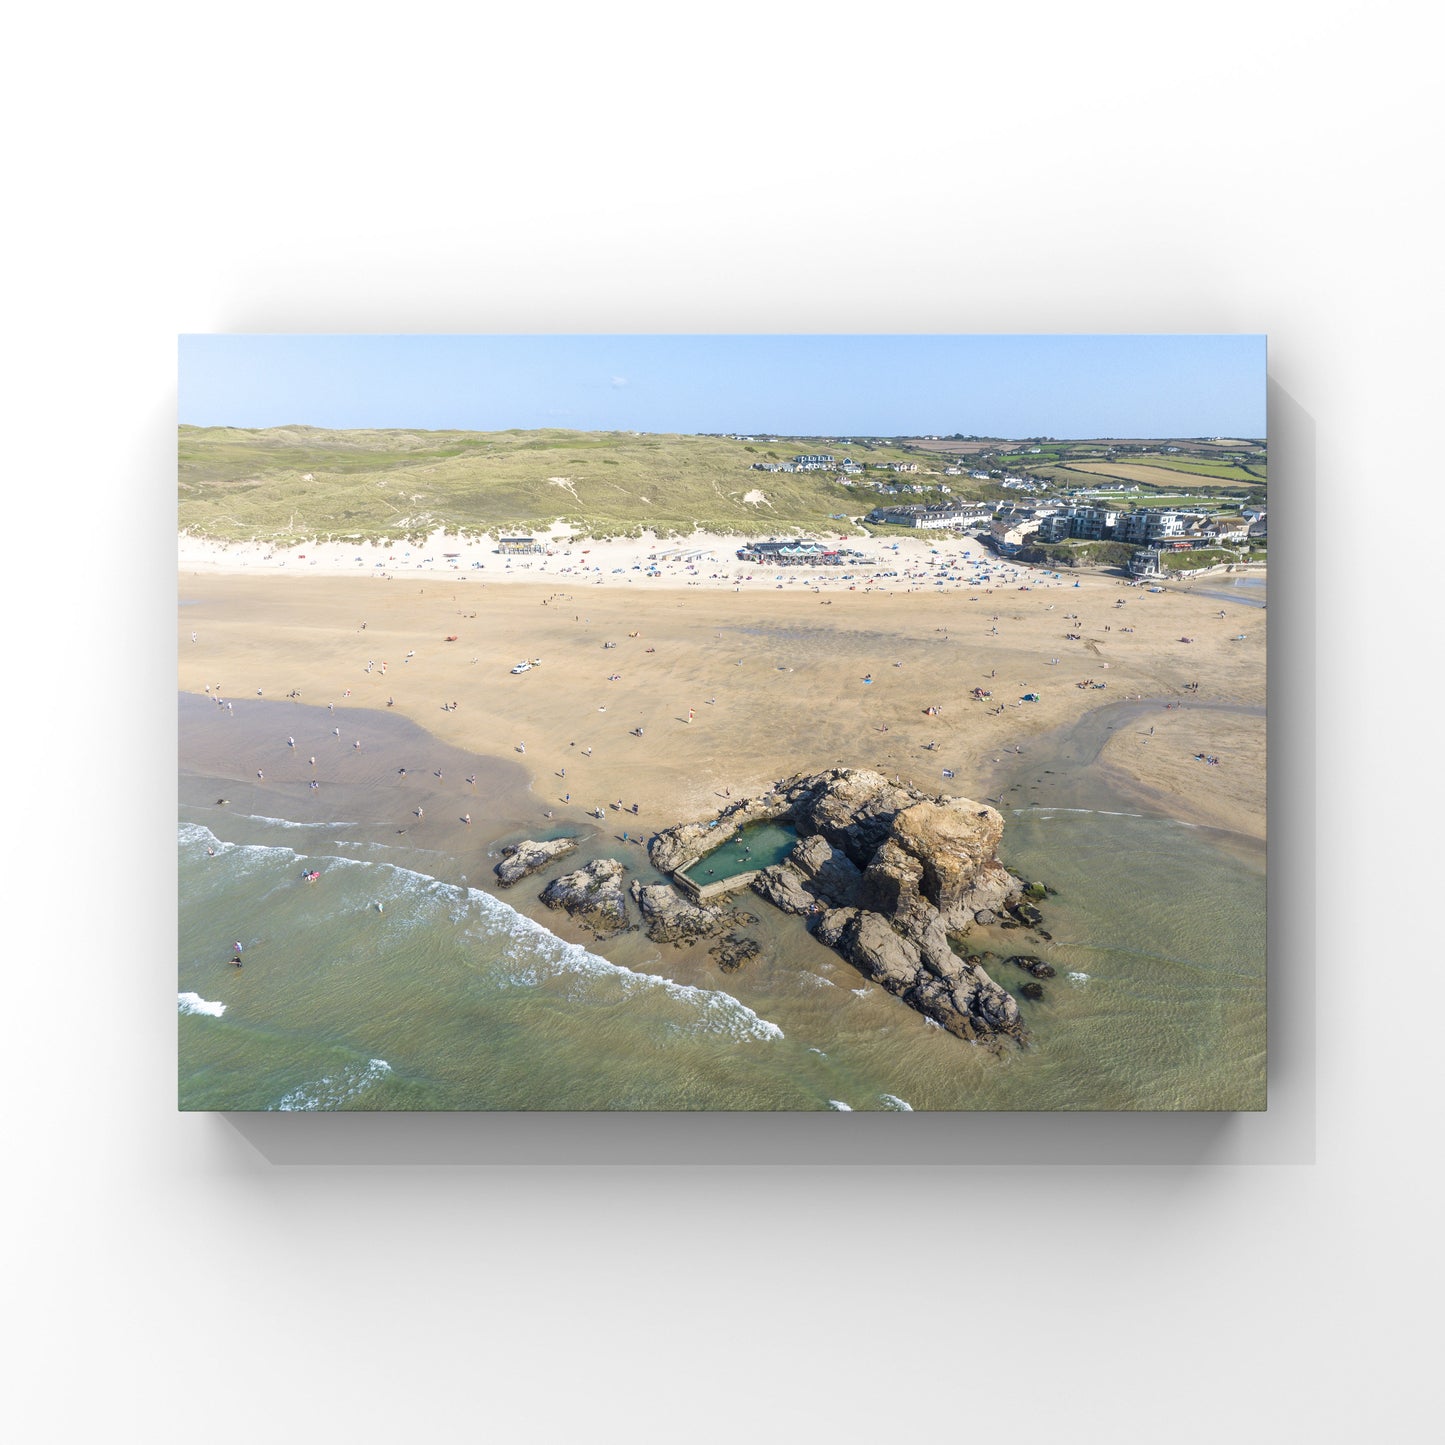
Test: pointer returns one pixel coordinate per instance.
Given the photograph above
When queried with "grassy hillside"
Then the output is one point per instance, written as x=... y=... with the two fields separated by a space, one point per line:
x=297 y=483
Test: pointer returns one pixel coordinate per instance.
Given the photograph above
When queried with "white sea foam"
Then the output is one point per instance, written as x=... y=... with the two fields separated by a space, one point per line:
x=193 y=1003
x=819 y=1052
x=1079 y=978
x=892 y=1101
x=1048 y=811
x=291 y=823
x=538 y=952
x=713 y=1010
x=334 y=1090
x=860 y=992
x=818 y=981
x=840 y=1106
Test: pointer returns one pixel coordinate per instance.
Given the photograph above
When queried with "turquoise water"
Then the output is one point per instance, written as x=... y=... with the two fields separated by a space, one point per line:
x=758 y=846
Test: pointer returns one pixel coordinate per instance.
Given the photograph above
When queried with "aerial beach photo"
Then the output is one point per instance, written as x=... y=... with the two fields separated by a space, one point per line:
x=722 y=723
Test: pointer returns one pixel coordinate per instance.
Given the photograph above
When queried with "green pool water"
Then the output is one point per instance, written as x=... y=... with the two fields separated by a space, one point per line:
x=756 y=847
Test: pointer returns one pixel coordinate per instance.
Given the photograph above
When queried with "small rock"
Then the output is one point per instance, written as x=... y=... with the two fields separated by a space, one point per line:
x=593 y=895
x=520 y=859
x=1030 y=964
x=733 y=951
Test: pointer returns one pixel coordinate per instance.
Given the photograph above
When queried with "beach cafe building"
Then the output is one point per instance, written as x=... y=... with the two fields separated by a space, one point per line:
x=788 y=554
x=518 y=546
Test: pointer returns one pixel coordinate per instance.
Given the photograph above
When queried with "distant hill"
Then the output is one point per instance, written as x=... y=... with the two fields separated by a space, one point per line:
x=298 y=483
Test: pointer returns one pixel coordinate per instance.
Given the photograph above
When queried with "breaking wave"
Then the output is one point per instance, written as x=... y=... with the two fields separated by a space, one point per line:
x=193 y=1003
x=335 y=1089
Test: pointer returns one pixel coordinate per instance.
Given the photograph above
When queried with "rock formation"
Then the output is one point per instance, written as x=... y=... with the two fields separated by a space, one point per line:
x=520 y=859
x=886 y=874
x=1030 y=964
x=733 y=951
x=593 y=895
x=668 y=917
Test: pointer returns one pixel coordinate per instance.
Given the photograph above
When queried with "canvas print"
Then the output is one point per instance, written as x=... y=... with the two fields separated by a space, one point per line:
x=722 y=722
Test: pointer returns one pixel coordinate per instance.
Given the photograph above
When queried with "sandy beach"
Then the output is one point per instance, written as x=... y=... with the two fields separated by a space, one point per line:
x=667 y=691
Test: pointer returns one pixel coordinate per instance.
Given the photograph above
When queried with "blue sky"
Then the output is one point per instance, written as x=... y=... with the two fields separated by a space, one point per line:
x=1008 y=386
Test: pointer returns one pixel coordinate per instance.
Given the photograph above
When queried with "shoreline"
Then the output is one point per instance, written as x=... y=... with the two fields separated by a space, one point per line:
x=371 y=802
x=822 y=1004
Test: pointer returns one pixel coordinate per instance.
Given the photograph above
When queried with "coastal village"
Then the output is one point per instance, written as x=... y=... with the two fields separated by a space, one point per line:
x=1036 y=514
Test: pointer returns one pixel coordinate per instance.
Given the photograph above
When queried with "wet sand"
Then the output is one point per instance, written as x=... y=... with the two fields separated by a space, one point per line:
x=775 y=683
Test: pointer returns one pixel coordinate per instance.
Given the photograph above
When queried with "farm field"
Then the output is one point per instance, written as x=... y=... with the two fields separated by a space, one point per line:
x=1161 y=476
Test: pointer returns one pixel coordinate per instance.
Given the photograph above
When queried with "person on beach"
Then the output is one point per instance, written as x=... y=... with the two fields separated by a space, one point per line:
x=466 y=817
x=258 y=772
x=290 y=742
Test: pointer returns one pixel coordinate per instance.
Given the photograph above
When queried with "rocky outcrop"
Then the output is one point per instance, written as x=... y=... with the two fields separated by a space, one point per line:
x=520 y=859
x=734 y=951
x=668 y=917
x=951 y=991
x=783 y=887
x=592 y=895
x=888 y=873
x=833 y=874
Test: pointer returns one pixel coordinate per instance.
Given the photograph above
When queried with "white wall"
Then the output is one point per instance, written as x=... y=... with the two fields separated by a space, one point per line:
x=623 y=167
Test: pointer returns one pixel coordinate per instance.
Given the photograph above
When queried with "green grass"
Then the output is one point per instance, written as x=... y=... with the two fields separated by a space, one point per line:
x=1254 y=470
x=1078 y=552
x=1193 y=561
x=386 y=486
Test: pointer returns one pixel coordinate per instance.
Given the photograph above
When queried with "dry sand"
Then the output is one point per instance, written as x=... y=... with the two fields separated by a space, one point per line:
x=774 y=678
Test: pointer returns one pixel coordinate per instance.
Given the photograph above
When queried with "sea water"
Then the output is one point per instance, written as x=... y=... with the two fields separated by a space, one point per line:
x=381 y=987
x=394 y=981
